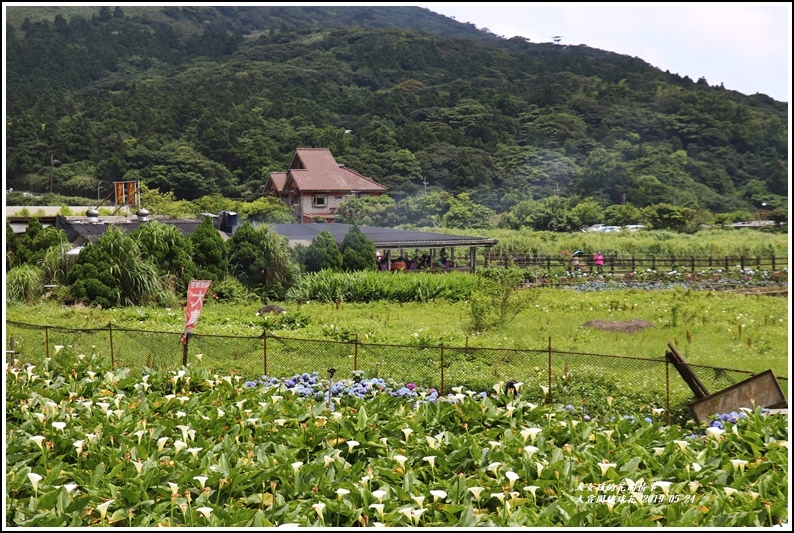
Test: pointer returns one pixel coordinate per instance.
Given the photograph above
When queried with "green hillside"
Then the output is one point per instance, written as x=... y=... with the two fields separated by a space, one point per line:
x=202 y=101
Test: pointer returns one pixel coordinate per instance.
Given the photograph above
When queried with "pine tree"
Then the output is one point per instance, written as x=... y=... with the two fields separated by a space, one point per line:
x=358 y=252
x=323 y=253
x=210 y=253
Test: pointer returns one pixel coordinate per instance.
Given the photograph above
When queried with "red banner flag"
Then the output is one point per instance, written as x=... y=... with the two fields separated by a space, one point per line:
x=195 y=299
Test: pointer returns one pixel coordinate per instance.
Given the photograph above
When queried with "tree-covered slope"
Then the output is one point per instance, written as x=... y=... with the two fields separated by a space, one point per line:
x=210 y=100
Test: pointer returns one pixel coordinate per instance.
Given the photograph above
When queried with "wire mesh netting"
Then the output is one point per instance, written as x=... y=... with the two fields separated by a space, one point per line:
x=565 y=377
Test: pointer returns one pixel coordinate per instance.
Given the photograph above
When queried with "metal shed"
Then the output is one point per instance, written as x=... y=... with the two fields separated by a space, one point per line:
x=387 y=239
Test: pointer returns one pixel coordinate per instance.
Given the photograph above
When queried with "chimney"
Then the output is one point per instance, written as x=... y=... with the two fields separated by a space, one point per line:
x=143 y=215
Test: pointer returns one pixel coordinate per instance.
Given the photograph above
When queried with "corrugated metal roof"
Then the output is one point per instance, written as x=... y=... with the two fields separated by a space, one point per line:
x=381 y=237
x=91 y=231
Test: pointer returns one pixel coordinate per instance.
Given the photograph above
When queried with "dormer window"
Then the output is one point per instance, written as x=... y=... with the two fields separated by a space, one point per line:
x=319 y=200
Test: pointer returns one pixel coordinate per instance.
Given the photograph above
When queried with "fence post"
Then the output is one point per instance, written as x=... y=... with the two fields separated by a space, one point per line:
x=549 y=397
x=726 y=262
x=741 y=261
x=653 y=262
x=442 y=369
x=773 y=262
x=110 y=337
x=355 y=354
x=633 y=263
x=184 y=349
x=12 y=351
x=264 y=351
x=693 y=263
x=667 y=380
x=46 y=341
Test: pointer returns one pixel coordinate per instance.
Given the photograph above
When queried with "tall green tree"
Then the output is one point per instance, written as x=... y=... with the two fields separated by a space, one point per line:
x=323 y=253
x=358 y=252
x=210 y=253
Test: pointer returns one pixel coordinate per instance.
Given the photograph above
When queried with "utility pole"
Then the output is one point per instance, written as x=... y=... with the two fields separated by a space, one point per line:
x=53 y=161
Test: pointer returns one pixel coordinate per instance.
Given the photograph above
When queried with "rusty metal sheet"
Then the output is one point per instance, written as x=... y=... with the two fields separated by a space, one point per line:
x=760 y=390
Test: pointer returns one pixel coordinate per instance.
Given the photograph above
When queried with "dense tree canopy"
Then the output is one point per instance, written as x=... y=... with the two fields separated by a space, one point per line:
x=179 y=99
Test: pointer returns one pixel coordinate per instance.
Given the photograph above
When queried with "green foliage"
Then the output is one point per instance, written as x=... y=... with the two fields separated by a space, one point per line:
x=464 y=213
x=358 y=252
x=166 y=247
x=56 y=264
x=11 y=241
x=667 y=217
x=491 y=460
x=323 y=253
x=210 y=252
x=497 y=300
x=229 y=290
x=24 y=283
x=32 y=246
x=367 y=211
x=267 y=209
x=370 y=286
x=261 y=260
x=438 y=105
x=114 y=272
x=288 y=320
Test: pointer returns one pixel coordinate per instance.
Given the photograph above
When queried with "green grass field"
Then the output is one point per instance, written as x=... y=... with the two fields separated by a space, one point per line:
x=709 y=328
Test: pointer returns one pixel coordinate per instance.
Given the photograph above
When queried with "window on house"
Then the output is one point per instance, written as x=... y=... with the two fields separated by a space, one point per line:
x=318 y=200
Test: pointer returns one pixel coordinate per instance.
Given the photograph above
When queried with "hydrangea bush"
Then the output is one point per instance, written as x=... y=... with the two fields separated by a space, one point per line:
x=91 y=446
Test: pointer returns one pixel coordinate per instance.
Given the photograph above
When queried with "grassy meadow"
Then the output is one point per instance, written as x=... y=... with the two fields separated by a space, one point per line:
x=708 y=327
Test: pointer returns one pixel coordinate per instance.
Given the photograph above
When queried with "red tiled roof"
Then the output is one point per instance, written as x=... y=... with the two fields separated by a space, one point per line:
x=315 y=169
x=279 y=179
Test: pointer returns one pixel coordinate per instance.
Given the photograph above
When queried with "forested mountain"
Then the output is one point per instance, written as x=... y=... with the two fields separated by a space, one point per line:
x=209 y=100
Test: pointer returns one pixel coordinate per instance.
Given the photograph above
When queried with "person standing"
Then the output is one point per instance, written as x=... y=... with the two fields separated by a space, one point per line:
x=599 y=262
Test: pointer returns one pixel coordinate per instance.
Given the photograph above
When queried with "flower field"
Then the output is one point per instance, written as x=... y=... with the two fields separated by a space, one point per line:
x=91 y=446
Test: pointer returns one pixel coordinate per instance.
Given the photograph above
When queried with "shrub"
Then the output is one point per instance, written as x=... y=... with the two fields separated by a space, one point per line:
x=24 y=283
x=230 y=290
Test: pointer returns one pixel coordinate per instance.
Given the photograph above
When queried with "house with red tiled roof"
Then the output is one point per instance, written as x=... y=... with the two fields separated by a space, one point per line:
x=315 y=184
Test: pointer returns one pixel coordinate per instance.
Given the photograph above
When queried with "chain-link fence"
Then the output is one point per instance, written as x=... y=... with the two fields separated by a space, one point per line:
x=548 y=375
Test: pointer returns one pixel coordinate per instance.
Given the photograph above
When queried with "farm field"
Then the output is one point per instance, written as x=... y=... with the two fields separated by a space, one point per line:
x=87 y=445
x=708 y=328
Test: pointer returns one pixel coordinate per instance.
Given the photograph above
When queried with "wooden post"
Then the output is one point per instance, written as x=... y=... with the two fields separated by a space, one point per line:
x=442 y=369
x=727 y=259
x=264 y=351
x=355 y=354
x=773 y=262
x=46 y=341
x=184 y=350
x=633 y=263
x=667 y=379
x=112 y=355
x=549 y=397
x=693 y=263
x=653 y=262
x=741 y=261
